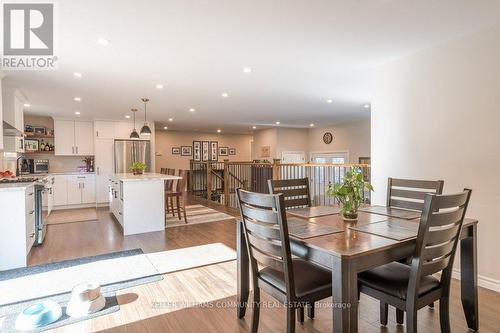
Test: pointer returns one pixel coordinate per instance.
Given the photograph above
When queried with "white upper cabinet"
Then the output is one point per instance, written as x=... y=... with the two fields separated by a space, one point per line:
x=73 y=137
x=84 y=140
x=123 y=129
x=104 y=129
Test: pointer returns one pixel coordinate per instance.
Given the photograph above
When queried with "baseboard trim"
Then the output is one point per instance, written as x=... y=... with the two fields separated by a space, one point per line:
x=482 y=281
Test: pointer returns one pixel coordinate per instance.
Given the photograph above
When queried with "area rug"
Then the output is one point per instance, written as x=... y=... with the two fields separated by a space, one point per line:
x=191 y=257
x=72 y=215
x=113 y=271
x=197 y=214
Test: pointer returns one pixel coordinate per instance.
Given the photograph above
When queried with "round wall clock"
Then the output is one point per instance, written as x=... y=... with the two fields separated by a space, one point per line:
x=327 y=138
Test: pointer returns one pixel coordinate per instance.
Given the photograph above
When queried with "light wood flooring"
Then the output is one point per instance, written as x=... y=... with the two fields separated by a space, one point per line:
x=202 y=299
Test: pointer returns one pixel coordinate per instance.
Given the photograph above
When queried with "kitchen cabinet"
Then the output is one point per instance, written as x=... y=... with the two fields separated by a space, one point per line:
x=73 y=137
x=103 y=167
x=81 y=189
x=104 y=129
x=13 y=107
x=123 y=129
x=60 y=190
x=14 y=144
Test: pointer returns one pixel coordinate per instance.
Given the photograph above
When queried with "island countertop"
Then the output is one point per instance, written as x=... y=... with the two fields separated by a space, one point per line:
x=144 y=177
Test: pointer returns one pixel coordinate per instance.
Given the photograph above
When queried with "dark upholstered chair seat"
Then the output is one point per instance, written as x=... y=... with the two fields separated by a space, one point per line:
x=309 y=278
x=393 y=279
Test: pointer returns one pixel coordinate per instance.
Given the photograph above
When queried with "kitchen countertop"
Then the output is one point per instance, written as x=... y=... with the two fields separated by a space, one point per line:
x=15 y=186
x=144 y=177
x=57 y=173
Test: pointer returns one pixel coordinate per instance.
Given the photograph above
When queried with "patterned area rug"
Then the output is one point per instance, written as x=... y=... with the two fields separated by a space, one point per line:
x=71 y=215
x=197 y=214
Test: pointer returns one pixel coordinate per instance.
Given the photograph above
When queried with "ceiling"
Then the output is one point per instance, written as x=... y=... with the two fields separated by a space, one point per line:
x=301 y=53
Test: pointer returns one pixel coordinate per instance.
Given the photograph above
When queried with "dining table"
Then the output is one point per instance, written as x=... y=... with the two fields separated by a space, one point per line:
x=356 y=246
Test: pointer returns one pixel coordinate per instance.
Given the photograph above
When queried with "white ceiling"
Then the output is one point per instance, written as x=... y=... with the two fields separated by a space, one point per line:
x=301 y=52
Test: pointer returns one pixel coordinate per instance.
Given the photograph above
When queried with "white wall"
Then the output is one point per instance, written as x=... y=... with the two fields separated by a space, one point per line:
x=436 y=115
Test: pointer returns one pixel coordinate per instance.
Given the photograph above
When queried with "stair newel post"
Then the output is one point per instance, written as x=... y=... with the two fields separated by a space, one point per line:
x=276 y=168
x=209 y=181
x=227 y=189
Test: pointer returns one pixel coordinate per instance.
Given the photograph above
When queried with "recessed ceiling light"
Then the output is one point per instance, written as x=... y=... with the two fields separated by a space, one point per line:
x=27 y=105
x=224 y=95
x=159 y=86
x=254 y=127
x=218 y=131
x=78 y=99
x=77 y=74
x=127 y=116
x=311 y=125
x=165 y=127
x=247 y=70
x=170 y=119
x=192 y=110
x=103 y=41
x=77 y=113
x=277 y=123
x=366 y=106
x=329 y=101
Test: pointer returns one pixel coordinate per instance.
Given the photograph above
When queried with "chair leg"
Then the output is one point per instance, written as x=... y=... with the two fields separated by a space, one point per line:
x=411 y=321
x=310 y=310
x=384 y=307
x=166 y=205
x=300 y=314
x=400 y=316
x=178 y=207
x=256 y=311
x=444 y=314
x=172 y=206
x=290 y=320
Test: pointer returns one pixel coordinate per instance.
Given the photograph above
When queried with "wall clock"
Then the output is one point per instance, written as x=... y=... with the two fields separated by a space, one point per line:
x=327 y=138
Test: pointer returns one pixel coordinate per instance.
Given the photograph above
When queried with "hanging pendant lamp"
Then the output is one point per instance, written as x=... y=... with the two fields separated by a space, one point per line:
x=134 y=134
x=145 y=130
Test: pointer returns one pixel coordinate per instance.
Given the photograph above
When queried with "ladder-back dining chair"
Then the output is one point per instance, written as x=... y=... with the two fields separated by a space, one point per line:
x=410 y=193
x=295 y=191
x=295 y=282
x=180 y=196
x=409 y=288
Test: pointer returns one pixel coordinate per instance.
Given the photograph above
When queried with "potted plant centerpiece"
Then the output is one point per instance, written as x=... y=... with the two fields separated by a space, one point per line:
x=138 y=168
x=350 y=193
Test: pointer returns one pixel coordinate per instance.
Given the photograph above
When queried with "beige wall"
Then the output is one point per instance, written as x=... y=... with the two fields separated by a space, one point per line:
x=265 y=137
x=353 y=137
x=292 y=139
x=165 y=140
x=435 y=115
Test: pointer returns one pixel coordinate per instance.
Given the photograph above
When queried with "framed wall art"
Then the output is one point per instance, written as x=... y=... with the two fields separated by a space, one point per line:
x=197 y=150
x=205 y=151
x=176 y=151
x=232 y=151
x=214 y=151
x=265 y=151
x=186 y=150
x=223 y=151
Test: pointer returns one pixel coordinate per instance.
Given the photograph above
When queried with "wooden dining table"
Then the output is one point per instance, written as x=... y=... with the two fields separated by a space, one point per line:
x=349 y=252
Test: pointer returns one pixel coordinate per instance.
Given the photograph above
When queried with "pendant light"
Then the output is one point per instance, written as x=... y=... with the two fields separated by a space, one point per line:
x=134 y=134
x=145 y=130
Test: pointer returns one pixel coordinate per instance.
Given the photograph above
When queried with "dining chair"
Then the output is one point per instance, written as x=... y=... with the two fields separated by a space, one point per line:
x=294 y=282
x=180 y=195
x=409 y=288
x=410 y=193
x=169 y=185
x=295 y=191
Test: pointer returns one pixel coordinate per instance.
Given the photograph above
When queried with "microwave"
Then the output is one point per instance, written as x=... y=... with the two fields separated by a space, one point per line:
x=41 y=166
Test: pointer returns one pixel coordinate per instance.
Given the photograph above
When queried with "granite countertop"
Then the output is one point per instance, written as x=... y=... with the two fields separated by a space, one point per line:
x=144 y=177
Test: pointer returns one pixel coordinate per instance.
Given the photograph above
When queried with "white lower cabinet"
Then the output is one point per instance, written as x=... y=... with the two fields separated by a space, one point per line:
x=75 y=189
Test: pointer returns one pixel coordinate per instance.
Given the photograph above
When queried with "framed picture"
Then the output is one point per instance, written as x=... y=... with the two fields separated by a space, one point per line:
x=39 y=130
x=197 y=151
x=186 y=150
x=176 y=151
x=214 y=151
x=205 y=151
x=232 y=151
x=223 y=151
x=31 y=145
x=265 y=151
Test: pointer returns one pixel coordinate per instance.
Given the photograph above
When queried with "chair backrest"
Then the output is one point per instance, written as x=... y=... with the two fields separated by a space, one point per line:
x=438 y=234
x=295 y=191
x=181 y=183
x=266 y=232
x=410 y=193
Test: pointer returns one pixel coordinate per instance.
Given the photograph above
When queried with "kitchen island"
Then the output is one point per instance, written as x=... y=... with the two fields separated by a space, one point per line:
x=138 y=201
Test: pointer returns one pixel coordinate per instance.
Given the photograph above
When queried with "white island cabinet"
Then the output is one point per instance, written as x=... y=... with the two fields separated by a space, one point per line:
x=138 y=201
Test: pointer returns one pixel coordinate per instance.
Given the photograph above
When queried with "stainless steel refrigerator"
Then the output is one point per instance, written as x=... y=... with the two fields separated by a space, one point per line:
x=130 y=151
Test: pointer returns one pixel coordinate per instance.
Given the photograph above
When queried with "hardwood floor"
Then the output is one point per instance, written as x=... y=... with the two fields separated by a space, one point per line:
x=202 y=299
